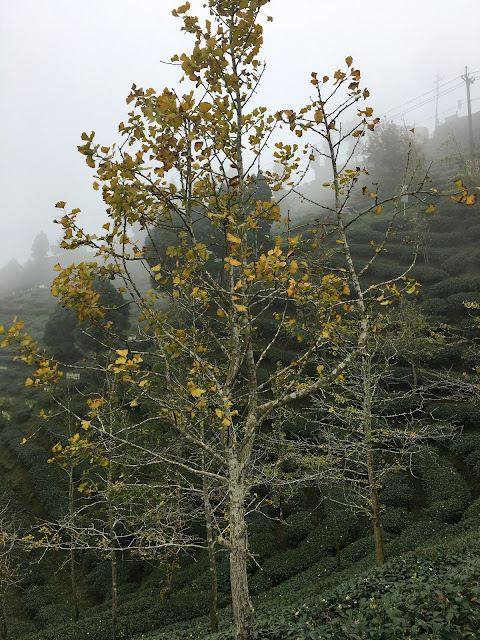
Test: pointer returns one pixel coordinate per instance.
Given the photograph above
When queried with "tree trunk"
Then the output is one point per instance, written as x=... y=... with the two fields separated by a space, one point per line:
x=113 y=554
x=211 y=559
x=375 y=509
x=243 y=611
x=376 y=513
x=73 y=576
x=113 y=559
x=414 y=374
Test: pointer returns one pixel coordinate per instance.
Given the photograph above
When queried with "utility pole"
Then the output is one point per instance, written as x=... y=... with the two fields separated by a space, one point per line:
x=468 y=81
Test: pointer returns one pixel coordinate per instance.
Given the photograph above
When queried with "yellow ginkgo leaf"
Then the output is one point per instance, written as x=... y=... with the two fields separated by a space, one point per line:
x=195 y=391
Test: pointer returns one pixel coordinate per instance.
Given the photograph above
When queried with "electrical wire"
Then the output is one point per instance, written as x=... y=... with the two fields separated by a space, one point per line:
x=421 y=104
x=419 y=97
x=428 y=100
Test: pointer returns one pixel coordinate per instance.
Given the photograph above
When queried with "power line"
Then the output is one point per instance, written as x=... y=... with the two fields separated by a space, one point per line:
x=418 y=97
x=421 y=104
x=423 y=95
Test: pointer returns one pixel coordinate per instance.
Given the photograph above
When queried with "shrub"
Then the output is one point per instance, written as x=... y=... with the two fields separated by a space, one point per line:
x=366 y=235
x=456 y=264
x=384 y=271
x=436 y=256
x=455 y=301
x=447 y=491
x=100 y=579
x=38 y=597
x=465 y=444
x=459 y=413
x=451 y=286
x=396 y=519
x=427 y=274
x=435 y=307
x=404 y=253
x=359 y=549
x=453 y=239
x=471 y=516
x=474 y=232
x=297 y=526
x=396 y=492
x=447 y=356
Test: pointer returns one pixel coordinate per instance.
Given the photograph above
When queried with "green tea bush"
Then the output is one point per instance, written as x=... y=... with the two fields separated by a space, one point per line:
x=298 y=425
x=283 y=356
x=19 y=628
x=38 y=597
x=32 y=576
x=396 y=492
x=366 y=235
x=453 y=239
x=471 y=516
x=460 y=413
x=364 y=250
x=386 y=271
x=99 y=579
x=474 y=232
x=451 y=286
x=361 y=548
x=455 y=301
x=437 y=256
x=467 y=446
x=456 y=264
x=380 y=224
x=403 y=253
x=426 y=274
x=52 y=613
x=297 y=526
x=42 y=474
x=415 y=534
x=445 y=357
x=138 y=616
x=435 y=307
x=426 y=596
x=447 y=491
x=441 y=224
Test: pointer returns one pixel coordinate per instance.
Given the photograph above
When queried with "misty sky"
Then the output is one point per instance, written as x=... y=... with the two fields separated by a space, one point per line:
x=67 y=66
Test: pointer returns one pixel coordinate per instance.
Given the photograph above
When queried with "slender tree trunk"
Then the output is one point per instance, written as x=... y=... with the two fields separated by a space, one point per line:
x=243 y=611
x=113 y=562
x=376 y=514
x=211 y=559
x=113 y=555
x=336 y=534
x=414 y=374
x=73 y=576
x=375 y=508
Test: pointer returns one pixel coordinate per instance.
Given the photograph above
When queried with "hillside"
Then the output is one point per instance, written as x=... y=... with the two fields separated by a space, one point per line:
x=311 y=572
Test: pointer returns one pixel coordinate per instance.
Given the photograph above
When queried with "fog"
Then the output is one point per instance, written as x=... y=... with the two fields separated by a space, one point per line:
x=68 y=66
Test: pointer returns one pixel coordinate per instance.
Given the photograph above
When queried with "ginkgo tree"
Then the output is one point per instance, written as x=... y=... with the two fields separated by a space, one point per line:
x=188 y=161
